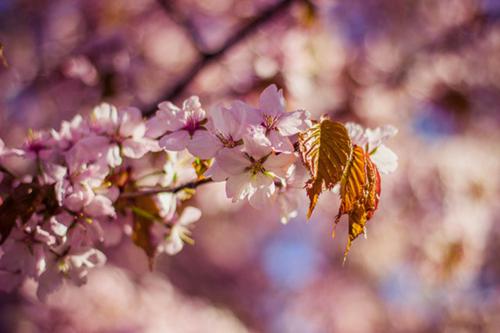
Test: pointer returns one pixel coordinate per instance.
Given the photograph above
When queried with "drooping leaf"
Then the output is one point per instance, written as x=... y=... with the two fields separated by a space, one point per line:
x=325 y=150
x=359 y=196
x=353 y=181
x=145 y=215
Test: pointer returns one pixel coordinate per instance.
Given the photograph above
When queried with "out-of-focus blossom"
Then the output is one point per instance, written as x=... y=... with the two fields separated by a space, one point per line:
x=177 y=232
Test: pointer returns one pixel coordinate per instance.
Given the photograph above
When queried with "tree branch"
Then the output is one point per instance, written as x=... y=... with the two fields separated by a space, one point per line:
x=207 y=58
x=157 y=190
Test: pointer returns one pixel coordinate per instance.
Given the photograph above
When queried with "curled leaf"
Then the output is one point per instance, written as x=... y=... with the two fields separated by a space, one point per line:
x=360 y=193
x=325 y=150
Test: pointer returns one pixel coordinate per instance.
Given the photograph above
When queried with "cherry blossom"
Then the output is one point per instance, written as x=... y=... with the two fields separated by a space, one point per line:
x=179 y=128
x=251 y=171
x=279 y=124
x=93 y=181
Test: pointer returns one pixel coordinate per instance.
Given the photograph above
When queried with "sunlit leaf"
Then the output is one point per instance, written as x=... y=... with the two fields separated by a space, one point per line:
x=201 y=166
x=353 y=181
x=325 y=149
x=360 y=193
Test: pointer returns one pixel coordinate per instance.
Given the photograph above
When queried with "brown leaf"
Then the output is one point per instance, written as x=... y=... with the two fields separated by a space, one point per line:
x=2 y=57
x=325 y=150
x=353 y=181
x=144 y=213
x=360 y=193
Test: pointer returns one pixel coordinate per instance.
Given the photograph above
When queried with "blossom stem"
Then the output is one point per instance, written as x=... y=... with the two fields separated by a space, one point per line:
x=156 y=190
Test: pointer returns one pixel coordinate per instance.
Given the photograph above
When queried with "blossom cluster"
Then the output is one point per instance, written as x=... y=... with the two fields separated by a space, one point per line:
x=115 y=173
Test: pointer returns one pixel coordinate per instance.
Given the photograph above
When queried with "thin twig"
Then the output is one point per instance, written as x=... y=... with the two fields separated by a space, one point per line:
x=157 y=190
x=207 y=58
x=7 y=171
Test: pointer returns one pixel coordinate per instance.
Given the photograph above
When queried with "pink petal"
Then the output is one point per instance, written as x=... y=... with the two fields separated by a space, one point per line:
x=204 y=145
x=216 y=173
x=135 y=148
x=280 y=143
x=271 y=101
x=291 y=123
x=232 y=161
x=256 y=143
x=131 y=123
x=175 y=141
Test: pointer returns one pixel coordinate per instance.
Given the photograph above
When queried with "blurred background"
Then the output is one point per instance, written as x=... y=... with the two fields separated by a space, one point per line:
x=431 y=68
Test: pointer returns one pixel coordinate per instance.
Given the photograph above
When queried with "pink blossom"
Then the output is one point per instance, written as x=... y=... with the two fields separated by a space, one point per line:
x=125 y=129
x=227 y=126
x=179 y=127
x=279 y=124
x=251 y=171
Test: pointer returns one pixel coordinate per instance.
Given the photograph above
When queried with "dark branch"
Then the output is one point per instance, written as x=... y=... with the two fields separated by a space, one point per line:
x=157 y=190
x=184 y=21
x=207 y=58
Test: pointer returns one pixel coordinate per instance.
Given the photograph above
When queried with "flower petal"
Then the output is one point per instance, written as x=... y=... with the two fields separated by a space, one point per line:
x=280 y=143
x=291 y=123
x=271 y=101
x=239 y=187
x=232 y=161
x=204 y=145
x=385 y=159
x=175 y=141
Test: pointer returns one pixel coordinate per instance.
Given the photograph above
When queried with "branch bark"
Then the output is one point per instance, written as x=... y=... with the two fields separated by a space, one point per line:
x=157 y=190
x=207 y=58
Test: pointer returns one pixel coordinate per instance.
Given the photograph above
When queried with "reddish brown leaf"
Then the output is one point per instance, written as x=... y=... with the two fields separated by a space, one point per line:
x=325 y=150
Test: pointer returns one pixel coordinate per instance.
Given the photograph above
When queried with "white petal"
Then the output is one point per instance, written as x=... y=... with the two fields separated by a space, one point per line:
x=238 y=187
x=279 y=164
x=189 y=215
x=263 y=194
x=385 y=159
x=291 y=123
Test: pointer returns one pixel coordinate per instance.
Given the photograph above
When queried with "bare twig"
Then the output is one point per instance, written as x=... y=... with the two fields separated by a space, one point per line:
x=157 y=190
x=207 y=58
